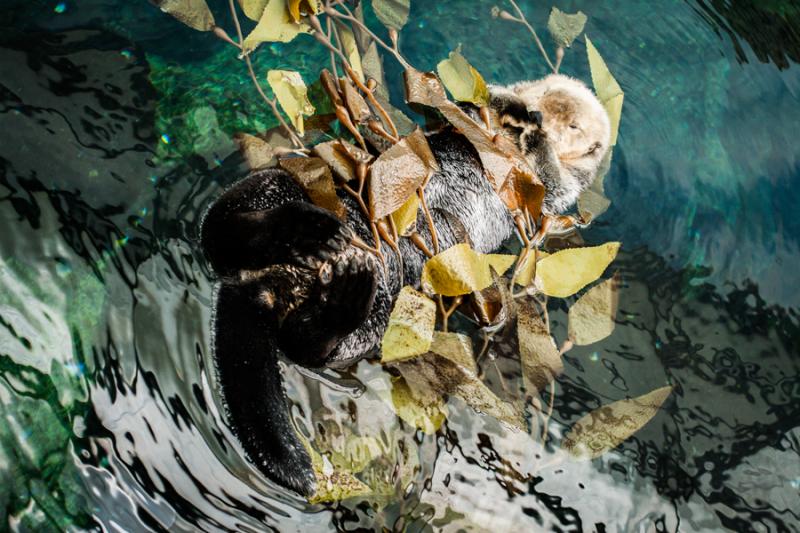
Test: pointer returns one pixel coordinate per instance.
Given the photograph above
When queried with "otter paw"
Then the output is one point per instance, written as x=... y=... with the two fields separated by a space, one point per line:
x=303 y=234
x=536 y=118
x=340 y=303
x=532 y=138
x=348 y=296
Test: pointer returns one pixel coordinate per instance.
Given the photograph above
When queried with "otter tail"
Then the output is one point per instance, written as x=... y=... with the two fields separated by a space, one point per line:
x=291 y=285
x=250 y=381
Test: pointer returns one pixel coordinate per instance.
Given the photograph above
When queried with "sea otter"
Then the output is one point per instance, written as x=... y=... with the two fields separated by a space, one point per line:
x=292 y=282
x=561 y=127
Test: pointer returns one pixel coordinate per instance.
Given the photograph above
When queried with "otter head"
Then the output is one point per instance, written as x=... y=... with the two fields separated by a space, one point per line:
x=574 y=121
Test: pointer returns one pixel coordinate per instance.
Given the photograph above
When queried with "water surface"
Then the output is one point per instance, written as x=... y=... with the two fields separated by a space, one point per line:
x=115 y=126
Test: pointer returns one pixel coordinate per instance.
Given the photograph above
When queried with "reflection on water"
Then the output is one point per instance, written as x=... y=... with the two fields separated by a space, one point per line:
x=110 y=413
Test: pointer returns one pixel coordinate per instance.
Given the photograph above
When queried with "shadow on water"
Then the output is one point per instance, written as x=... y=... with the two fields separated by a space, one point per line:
x=111 y=416
x=771 y=29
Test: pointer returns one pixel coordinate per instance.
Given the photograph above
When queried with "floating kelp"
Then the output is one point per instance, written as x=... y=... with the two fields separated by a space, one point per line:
x=462 y=80
x=566 y=272
x=564 y=28
x=593 y=316
x=607 y=427
x=376 y=155
x=461 y=270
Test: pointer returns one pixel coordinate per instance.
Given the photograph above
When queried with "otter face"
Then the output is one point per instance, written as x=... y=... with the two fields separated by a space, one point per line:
x=572 y=126
x=569 y=114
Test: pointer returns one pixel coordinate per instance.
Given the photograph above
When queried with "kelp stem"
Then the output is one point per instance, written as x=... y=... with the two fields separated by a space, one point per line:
x=546 y=416
x=567 y=346
x=447 y=312
x=522 y=20
x=487 y=339
x=519 y=221
x=371 y=97
x=443 y=311
x=419 y=242
x=396 y=237
x=329 y=24
x=353 y=20
x=289 y=130
x=384 y=231
x=365 y=210
x=523 y=254
x=376 y=128
x=393 y=137
x=559 y=57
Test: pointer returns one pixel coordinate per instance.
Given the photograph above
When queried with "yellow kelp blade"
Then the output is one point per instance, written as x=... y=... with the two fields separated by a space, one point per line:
x=427 y=414
x=608 y=90
x=193 y=13
x=292 y=95
x=461 y=270
x=592 y=317
x=567 y=271
x=275 y=25
x=462 y=80
x=540 y=358
x=410 y=329
x=609 y=426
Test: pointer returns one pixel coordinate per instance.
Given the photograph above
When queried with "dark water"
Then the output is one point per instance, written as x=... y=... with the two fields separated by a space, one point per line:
x=115 y=127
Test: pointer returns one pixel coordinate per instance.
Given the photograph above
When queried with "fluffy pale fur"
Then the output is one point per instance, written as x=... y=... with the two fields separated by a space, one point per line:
x=561 y=127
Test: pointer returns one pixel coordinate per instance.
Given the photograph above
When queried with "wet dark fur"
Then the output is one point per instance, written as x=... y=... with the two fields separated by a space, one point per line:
x=292 y=283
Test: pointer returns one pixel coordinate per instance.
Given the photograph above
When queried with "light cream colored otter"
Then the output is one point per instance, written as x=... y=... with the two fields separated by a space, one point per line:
x=561 y=127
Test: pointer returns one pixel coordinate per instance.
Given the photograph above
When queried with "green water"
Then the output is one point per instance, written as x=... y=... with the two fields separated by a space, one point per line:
x=115 y=127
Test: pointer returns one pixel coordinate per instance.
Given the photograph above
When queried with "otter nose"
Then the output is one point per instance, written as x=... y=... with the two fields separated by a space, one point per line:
x=535 y=117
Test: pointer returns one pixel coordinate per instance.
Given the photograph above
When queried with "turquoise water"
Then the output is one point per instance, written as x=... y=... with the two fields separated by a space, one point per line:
x=115 y=127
